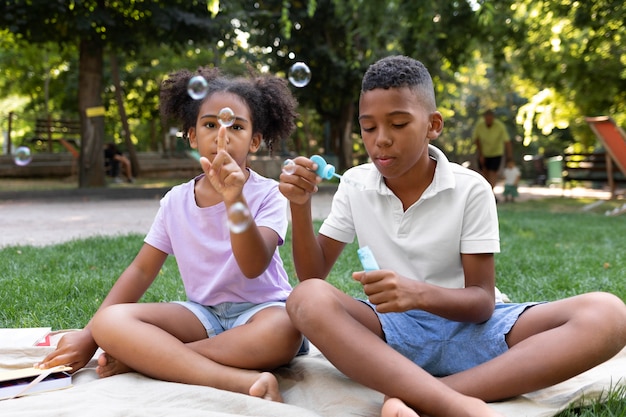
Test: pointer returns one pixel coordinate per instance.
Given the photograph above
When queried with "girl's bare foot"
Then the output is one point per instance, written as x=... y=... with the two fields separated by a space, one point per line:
x=266 y=387
x=394 y=407
x=109 y=366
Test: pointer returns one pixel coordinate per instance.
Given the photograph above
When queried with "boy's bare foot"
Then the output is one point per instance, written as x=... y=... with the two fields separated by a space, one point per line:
x=394 y=407
x=109 y=366
x=266 y=387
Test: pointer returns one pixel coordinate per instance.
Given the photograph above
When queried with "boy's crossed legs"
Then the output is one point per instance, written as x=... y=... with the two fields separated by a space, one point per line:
x=549 y=343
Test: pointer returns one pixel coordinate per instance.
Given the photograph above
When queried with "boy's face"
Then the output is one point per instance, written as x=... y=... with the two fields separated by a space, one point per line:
x=396 y=130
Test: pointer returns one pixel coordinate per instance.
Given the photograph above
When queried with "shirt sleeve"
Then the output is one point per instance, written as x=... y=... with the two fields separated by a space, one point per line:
x=157 y=235
x=272 y=213
x=339 y=224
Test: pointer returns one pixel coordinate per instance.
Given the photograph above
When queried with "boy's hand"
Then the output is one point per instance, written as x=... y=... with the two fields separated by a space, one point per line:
x=299 y=185
x=388 y=291
x=75 y=349
x=224 y=173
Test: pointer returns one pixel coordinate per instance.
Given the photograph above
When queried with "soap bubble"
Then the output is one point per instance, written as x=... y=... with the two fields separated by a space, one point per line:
x=239 y=218
x=226 y=117
x=197 y=87
x=299 y=74
x=289 y=166
x=22 y=156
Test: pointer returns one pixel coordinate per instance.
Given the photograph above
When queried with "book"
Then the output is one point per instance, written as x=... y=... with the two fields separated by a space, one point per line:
x=19 y=382
x=25 y=337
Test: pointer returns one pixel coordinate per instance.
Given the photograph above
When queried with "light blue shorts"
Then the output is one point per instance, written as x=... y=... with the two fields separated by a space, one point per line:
x=219 y=318
x=443 y=347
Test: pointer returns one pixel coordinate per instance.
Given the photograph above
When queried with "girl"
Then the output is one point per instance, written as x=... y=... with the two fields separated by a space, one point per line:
x=234 y=325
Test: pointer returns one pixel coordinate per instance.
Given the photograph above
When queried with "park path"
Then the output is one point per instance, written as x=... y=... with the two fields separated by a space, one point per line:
x=40 y=222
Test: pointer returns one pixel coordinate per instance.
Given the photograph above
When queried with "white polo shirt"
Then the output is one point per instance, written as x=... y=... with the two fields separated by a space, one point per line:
x=456 y=214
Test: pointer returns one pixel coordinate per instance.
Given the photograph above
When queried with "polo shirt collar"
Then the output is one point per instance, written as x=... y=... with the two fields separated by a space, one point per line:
x=443 y=179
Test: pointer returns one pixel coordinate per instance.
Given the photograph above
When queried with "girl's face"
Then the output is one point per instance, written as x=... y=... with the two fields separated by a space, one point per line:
x=239 y=139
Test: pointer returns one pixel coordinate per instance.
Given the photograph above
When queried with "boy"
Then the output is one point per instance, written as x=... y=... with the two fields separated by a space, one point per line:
x=430 y=337
x=512 y=176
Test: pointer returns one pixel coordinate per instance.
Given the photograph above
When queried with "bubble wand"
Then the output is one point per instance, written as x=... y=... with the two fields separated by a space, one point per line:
x=324 y=170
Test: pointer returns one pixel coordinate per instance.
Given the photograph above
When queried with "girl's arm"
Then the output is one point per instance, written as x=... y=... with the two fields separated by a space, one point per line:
x=254 y=247
x=76 y=349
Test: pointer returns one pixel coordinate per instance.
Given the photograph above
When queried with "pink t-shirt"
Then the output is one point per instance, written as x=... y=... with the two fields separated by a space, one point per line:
x=200 y=240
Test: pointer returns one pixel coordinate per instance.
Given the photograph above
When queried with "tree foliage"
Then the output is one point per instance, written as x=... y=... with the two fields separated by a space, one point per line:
x=542 y=64
x=95 y=26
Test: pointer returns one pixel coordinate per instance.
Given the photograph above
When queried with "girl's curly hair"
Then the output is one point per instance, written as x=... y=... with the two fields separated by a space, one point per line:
x=272 y=106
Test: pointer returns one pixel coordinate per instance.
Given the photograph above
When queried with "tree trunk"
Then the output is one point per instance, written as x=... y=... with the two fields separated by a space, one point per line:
x=119 y=97
x=346 y=136
x=341 y=136
x=91 y=161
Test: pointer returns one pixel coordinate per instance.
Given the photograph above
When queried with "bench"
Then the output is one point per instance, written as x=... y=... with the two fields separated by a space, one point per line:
x=66 y=132
x=591 y=167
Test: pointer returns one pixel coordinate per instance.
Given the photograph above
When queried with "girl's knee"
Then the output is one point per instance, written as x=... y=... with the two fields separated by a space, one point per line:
x=107 y=318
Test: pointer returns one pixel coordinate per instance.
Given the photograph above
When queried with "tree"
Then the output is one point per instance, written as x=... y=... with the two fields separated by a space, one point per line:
x=574 y=54
x=96 y=26
x=339 y=39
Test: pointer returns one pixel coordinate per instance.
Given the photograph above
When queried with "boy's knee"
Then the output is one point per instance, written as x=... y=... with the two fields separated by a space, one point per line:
x=607 y=312
x=306 y=299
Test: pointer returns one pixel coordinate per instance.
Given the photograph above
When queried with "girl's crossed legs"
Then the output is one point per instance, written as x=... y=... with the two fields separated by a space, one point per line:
x=167 y=341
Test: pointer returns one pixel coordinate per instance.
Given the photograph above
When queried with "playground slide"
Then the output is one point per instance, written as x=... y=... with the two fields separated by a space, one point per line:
x=612 y=137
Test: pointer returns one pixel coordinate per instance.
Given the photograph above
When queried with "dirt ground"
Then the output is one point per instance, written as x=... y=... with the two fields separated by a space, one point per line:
x=40 y=222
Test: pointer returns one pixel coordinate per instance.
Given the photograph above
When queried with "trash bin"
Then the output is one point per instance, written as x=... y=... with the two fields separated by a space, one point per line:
x=555 y=170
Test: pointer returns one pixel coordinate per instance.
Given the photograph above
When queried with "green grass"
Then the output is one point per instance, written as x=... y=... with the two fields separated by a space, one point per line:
x=551 y=248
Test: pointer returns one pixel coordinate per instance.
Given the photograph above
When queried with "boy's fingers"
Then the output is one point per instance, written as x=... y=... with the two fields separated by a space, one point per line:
x=221 y=139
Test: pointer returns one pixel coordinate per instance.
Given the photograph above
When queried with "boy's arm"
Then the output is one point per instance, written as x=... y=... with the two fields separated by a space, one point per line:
x=391 y=292
x=314 y=255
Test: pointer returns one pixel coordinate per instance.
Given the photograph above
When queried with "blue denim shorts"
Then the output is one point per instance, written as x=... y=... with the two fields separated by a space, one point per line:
x=219 y=318
x=443 y=347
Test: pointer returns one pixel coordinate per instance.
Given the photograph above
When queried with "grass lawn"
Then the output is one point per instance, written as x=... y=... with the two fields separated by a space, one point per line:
x=551 y=248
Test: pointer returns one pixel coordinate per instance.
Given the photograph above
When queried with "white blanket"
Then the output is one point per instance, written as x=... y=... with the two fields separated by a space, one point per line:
x=311 y=387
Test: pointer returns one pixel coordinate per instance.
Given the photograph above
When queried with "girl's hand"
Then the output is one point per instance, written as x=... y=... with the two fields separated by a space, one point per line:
x=298 y=185
x=75 y=349
x=224 y=173
x=387 y=290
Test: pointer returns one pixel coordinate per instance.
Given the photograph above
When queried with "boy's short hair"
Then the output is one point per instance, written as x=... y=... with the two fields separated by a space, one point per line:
x=400 y=71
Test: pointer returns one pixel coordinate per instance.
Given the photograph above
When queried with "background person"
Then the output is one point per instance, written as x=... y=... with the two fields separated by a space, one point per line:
x=512 y=176
x=114 y=159
x=492 y=140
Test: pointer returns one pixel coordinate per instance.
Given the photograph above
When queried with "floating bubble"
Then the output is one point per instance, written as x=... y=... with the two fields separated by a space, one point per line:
x=197 y=87
x=299 y=74
x=226 y=117
x=239 y=218
x=289 y=166
x=22 y=156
